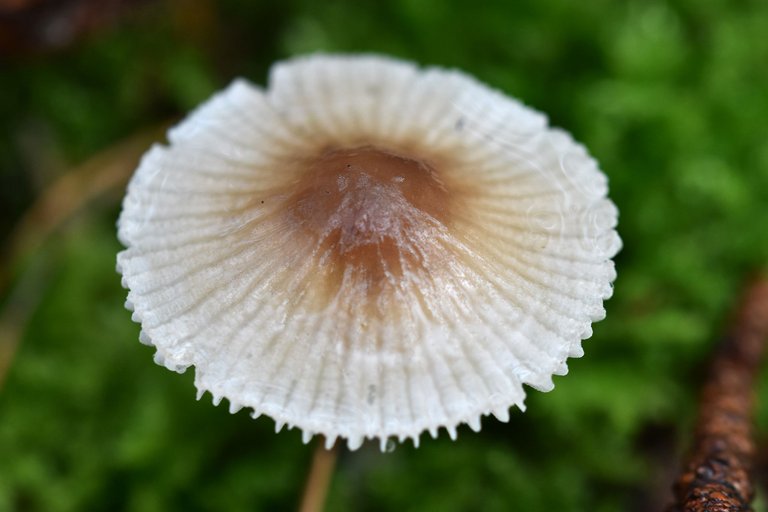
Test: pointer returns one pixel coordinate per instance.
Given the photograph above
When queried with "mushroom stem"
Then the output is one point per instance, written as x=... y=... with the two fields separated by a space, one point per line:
x=717 y=476
x=319 y=479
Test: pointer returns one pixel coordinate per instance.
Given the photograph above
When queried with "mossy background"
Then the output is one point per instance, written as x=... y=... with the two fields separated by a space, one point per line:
x=670 y=97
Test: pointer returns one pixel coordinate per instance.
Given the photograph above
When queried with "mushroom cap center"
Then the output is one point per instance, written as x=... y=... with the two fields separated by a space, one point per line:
x=370 y=214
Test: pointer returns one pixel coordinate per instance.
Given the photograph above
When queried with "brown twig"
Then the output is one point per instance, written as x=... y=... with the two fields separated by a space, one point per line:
x=717 y=476
x=18 y=308
x=319 y=479
x=104 y=173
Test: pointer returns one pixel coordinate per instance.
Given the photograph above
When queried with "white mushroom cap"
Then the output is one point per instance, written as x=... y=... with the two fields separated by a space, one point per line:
x=367 y=249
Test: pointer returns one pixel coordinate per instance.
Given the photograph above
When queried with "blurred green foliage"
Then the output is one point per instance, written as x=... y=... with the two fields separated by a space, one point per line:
x=671 y=98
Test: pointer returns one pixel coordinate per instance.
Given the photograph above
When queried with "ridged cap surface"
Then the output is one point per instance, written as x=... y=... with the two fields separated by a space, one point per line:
x=367 y=249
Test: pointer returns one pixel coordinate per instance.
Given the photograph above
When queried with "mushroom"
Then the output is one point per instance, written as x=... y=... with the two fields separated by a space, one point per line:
x=367 y=249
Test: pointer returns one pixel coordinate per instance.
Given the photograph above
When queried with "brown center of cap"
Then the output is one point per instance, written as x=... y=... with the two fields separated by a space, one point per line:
x=371 y=214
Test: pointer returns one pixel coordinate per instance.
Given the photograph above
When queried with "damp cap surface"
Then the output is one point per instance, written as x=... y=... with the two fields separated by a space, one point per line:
x=367 y=249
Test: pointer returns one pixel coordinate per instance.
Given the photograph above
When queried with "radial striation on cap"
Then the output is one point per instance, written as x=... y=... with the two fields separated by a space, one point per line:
x=367 y=249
